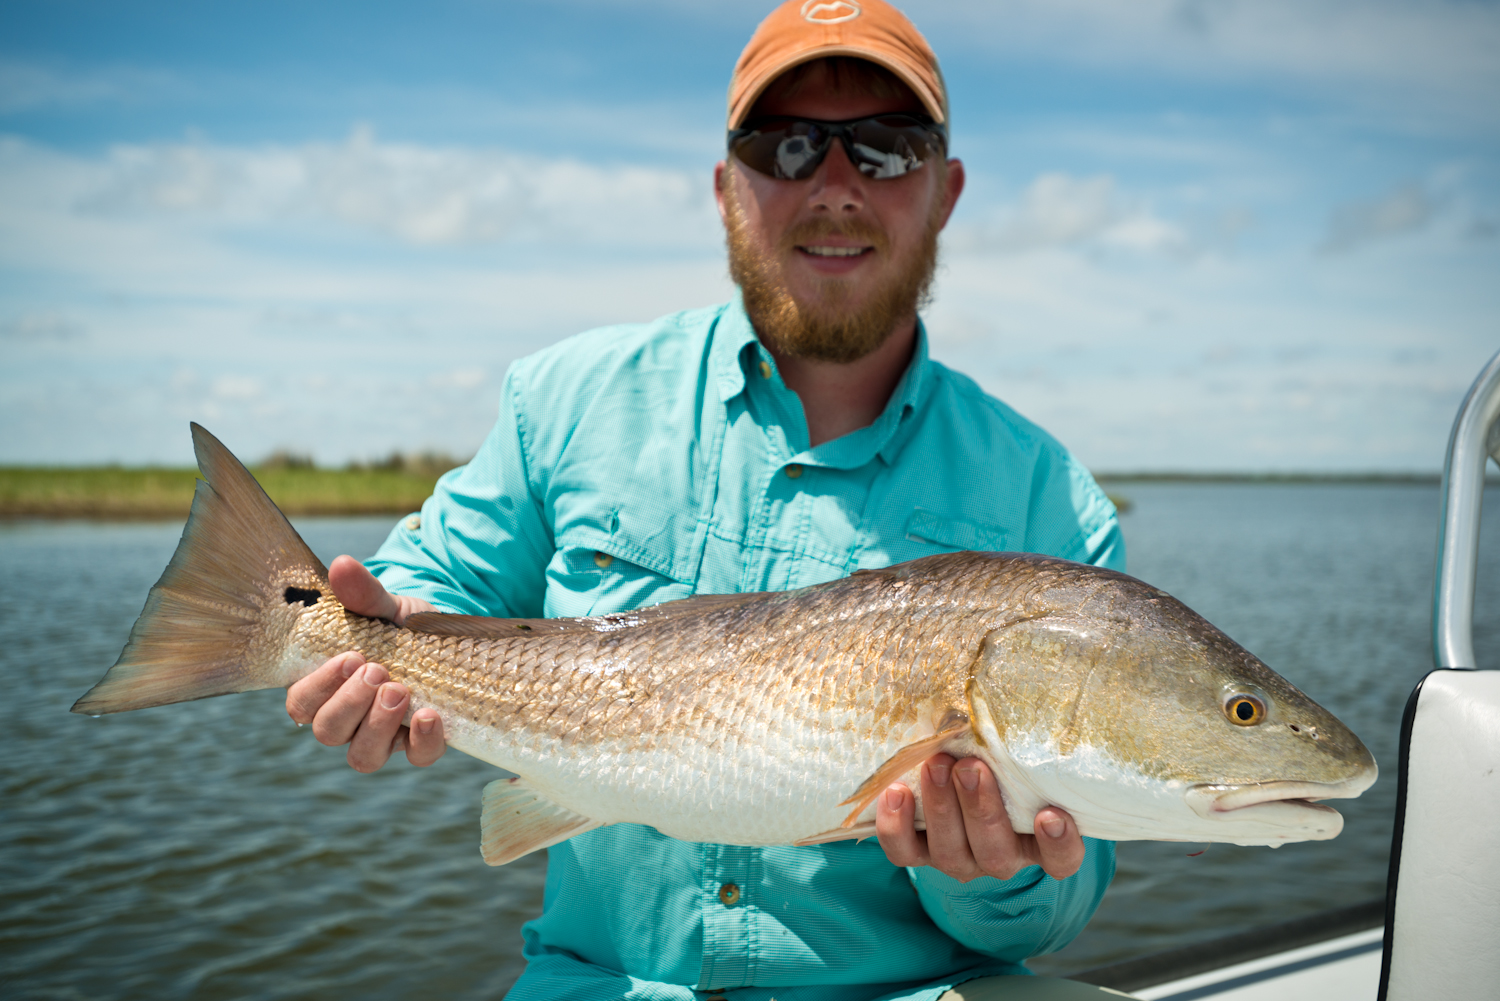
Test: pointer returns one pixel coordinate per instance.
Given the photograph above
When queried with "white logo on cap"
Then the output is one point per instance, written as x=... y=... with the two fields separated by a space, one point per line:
x=830 y=11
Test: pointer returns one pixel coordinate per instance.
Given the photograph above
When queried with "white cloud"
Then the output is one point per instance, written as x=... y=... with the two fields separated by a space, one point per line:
x=1058 y=210
x=328 y=297
x=462 y=379
x=1443 y=49
x=232 y=286
x=1402 y=210
x=238 y=388
x=28 y=86
x=420 y=195
x=1439 y=51
x=44 y=326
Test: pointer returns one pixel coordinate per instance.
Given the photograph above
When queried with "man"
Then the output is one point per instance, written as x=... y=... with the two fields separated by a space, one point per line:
x=784 y=439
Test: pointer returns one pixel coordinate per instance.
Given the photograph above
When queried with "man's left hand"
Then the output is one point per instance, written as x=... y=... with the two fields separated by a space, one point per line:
x=968 y=832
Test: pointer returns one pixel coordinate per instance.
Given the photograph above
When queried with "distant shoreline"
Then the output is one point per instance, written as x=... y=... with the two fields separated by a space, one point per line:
x=114 y=493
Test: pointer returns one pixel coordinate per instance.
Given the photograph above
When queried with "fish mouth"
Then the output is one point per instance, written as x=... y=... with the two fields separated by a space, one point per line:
x=1213 y=802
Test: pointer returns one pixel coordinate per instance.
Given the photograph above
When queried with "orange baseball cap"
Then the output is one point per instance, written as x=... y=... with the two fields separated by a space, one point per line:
x=802 y=30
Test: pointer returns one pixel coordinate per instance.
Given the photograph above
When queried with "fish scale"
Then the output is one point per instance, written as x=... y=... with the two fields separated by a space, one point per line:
x=778 y=718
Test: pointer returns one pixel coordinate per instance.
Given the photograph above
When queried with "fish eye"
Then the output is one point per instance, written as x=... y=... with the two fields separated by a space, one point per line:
x=1244 y=710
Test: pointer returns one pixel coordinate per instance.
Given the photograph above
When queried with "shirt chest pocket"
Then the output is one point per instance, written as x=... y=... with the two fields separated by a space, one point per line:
x=960 y=533
x=589 y=575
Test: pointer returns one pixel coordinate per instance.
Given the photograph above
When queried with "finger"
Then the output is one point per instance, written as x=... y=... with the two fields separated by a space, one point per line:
x=306 y=697
x=1058 y=842
x=947 y=841
x=342 y=714
x=425 y=742
x=381 y=730
x=896 y=828
x=357 y=589
x=998 y=850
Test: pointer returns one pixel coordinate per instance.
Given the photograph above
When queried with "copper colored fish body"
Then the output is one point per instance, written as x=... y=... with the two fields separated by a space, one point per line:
x=777 y=718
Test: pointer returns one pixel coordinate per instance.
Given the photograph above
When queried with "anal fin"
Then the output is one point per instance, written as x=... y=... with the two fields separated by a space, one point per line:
x=516 y=821
x=898 y=765
x=858 y=832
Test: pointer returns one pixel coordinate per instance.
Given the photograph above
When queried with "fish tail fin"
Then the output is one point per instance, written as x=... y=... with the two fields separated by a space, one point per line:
x=203 y=632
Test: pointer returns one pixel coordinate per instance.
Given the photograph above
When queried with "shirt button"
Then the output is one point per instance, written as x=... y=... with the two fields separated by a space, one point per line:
x=413 y=523
x=602 y=560
x=765 y=370
x=729 y=895
x=793 y=471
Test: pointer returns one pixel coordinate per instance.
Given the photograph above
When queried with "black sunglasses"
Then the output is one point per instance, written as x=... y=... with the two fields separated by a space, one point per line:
x=881 y=147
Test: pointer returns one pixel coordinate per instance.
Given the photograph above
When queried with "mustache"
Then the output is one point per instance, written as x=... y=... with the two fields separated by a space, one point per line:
x=859 y=230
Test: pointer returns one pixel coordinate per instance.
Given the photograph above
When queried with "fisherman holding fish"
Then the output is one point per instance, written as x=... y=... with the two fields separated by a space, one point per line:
x=710 y=575
x=792 y=436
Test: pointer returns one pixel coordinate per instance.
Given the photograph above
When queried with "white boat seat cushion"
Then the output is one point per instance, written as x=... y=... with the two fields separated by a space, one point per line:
x=1443 y=928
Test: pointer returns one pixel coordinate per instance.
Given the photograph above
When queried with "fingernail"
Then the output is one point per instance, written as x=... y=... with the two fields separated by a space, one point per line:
x=969 y=777
x=424 y=725
x=939 y=774
x=894 y=797
x=351 y=664
x=391 y=696
x=1054 y=827
x=375 y=675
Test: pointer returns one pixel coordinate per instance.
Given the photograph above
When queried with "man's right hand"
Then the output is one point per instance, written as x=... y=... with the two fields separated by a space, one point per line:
x=349 y=701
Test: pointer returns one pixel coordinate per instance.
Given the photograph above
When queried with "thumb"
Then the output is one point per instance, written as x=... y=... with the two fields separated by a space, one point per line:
x=358 y=590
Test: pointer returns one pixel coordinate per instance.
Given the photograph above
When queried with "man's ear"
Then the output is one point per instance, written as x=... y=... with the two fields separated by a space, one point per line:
x=953 y=185
x=721 y=178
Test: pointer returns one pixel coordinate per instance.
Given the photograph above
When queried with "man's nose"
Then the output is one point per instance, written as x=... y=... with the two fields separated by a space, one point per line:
x=837 y=185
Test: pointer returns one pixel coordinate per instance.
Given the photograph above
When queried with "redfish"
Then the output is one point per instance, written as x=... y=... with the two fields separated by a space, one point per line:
x=778 y=718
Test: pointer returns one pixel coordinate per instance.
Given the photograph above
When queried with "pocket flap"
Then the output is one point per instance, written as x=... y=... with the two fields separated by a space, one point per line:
x=960 y=533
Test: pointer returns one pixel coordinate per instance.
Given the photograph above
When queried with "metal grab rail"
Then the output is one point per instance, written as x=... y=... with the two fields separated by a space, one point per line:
x=1475 y=437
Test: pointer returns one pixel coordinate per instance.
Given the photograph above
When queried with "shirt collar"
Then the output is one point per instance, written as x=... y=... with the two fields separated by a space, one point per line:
x=727 y=355
x=735 y=347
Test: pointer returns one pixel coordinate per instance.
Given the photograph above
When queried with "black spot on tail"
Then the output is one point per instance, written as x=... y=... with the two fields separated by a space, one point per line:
x=293 y=595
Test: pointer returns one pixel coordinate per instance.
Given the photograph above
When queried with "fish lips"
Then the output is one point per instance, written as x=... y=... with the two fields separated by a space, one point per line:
x=1286 y=804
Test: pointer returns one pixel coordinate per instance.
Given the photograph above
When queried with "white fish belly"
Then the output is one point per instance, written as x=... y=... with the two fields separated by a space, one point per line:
x=739 y=793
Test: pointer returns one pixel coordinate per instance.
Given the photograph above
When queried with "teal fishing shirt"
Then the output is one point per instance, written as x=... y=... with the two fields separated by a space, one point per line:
x=644 y=463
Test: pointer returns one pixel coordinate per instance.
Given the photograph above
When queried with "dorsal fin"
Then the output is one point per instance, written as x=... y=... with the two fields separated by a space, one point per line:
x=701 y=603
x=483 y=627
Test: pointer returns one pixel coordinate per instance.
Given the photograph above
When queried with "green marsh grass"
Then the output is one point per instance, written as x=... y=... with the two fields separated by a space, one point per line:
x=110 y=492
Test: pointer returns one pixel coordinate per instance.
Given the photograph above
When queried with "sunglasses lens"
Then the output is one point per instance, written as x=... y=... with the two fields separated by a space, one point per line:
x=890 y=147
x=789 y=150
x=883 y=147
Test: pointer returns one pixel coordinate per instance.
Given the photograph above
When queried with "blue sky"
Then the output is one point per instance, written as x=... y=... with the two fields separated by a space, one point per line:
x=1199 y=234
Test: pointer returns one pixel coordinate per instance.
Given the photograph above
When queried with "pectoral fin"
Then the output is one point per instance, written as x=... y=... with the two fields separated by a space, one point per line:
x=516 y=821
x=899 y=764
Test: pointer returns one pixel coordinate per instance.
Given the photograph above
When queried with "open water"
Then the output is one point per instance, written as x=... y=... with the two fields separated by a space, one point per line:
x=214 y=850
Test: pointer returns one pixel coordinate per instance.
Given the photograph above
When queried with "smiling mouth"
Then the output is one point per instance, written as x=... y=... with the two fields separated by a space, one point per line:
x=836 y=251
